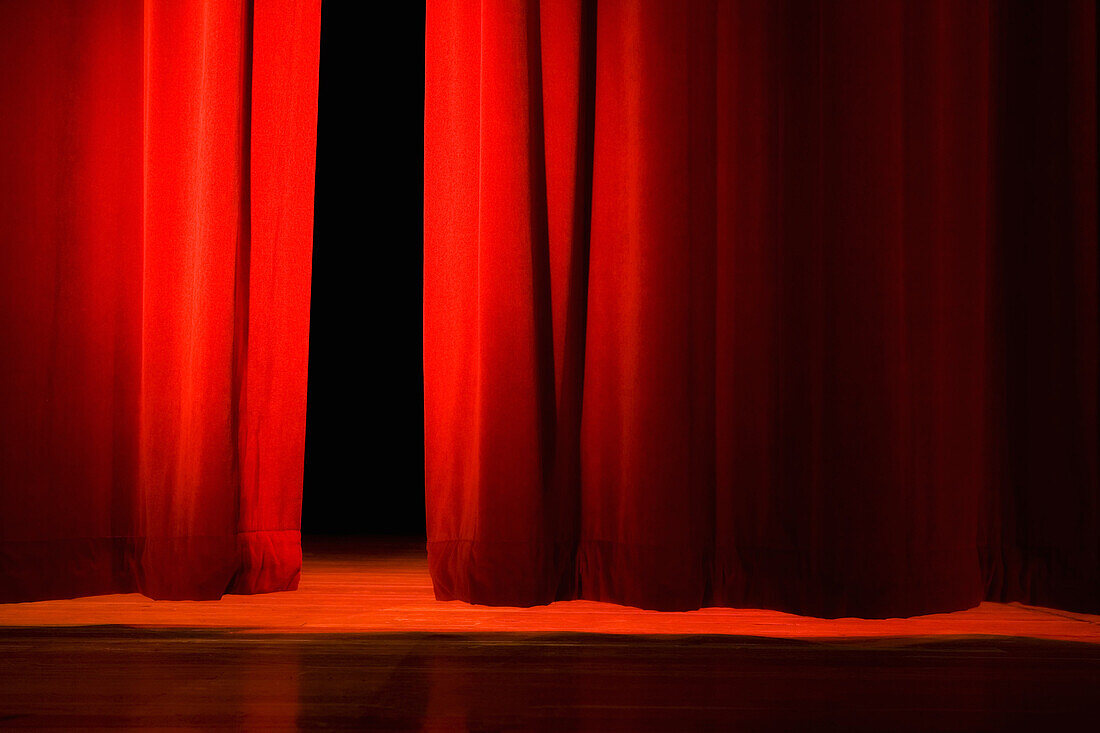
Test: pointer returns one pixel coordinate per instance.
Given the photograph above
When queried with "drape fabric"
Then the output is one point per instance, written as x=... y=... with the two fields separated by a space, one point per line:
x=765 y=303
x=156 y=209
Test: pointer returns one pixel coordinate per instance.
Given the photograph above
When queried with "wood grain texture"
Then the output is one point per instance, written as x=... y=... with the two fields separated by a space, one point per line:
x=367 y=586
x=363 y=645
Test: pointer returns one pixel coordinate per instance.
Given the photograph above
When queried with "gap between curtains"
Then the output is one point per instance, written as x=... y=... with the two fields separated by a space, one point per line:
x=156 y=207
x=756 y=303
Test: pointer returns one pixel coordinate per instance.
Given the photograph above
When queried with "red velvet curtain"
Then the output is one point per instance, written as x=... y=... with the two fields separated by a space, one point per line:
x=156 y=207
x=766 y=303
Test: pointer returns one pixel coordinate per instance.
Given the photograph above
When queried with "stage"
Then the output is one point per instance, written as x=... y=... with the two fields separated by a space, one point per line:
x=363 y=644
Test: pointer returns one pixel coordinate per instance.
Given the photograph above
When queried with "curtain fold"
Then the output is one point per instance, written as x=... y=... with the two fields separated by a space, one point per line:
x=768 y=304
x=156 y=207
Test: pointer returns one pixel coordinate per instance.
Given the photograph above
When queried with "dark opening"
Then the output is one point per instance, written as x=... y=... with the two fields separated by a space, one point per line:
x=364 y=466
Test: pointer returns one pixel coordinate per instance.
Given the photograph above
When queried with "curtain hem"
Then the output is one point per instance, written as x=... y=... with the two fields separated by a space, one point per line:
x=662 y=579
x=201 y=568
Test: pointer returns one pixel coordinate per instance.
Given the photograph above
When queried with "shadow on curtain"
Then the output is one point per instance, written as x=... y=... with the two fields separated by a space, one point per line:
x=772 y=304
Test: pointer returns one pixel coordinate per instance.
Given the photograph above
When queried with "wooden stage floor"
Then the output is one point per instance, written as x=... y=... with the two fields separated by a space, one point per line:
x=364 y=645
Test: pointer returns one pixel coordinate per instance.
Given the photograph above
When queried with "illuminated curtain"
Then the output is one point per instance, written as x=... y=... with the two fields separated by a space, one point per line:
x=156 y=203
x=762 y=303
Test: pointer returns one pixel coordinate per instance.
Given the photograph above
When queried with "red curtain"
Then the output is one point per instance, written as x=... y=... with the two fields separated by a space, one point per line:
x=156 y=207
x=766 y=303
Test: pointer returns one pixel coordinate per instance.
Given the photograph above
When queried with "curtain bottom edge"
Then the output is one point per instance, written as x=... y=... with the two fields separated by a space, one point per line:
x=162 y=568
x=879 y=585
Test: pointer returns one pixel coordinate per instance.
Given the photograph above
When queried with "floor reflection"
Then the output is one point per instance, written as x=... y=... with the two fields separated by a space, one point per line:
x=120 y=676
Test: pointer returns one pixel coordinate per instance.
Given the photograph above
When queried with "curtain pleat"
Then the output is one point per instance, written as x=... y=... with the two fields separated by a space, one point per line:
x=766 y=304
x=157 y=214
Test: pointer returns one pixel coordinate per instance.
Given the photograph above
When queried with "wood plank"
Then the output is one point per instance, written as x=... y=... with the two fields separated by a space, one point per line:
x=383 y=586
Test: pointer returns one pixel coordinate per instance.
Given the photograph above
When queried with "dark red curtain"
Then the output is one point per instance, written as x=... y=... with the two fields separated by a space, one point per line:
x=765 y=303
x=156 y=203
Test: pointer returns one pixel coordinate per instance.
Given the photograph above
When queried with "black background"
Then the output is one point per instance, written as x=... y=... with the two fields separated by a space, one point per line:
x=364 y=468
